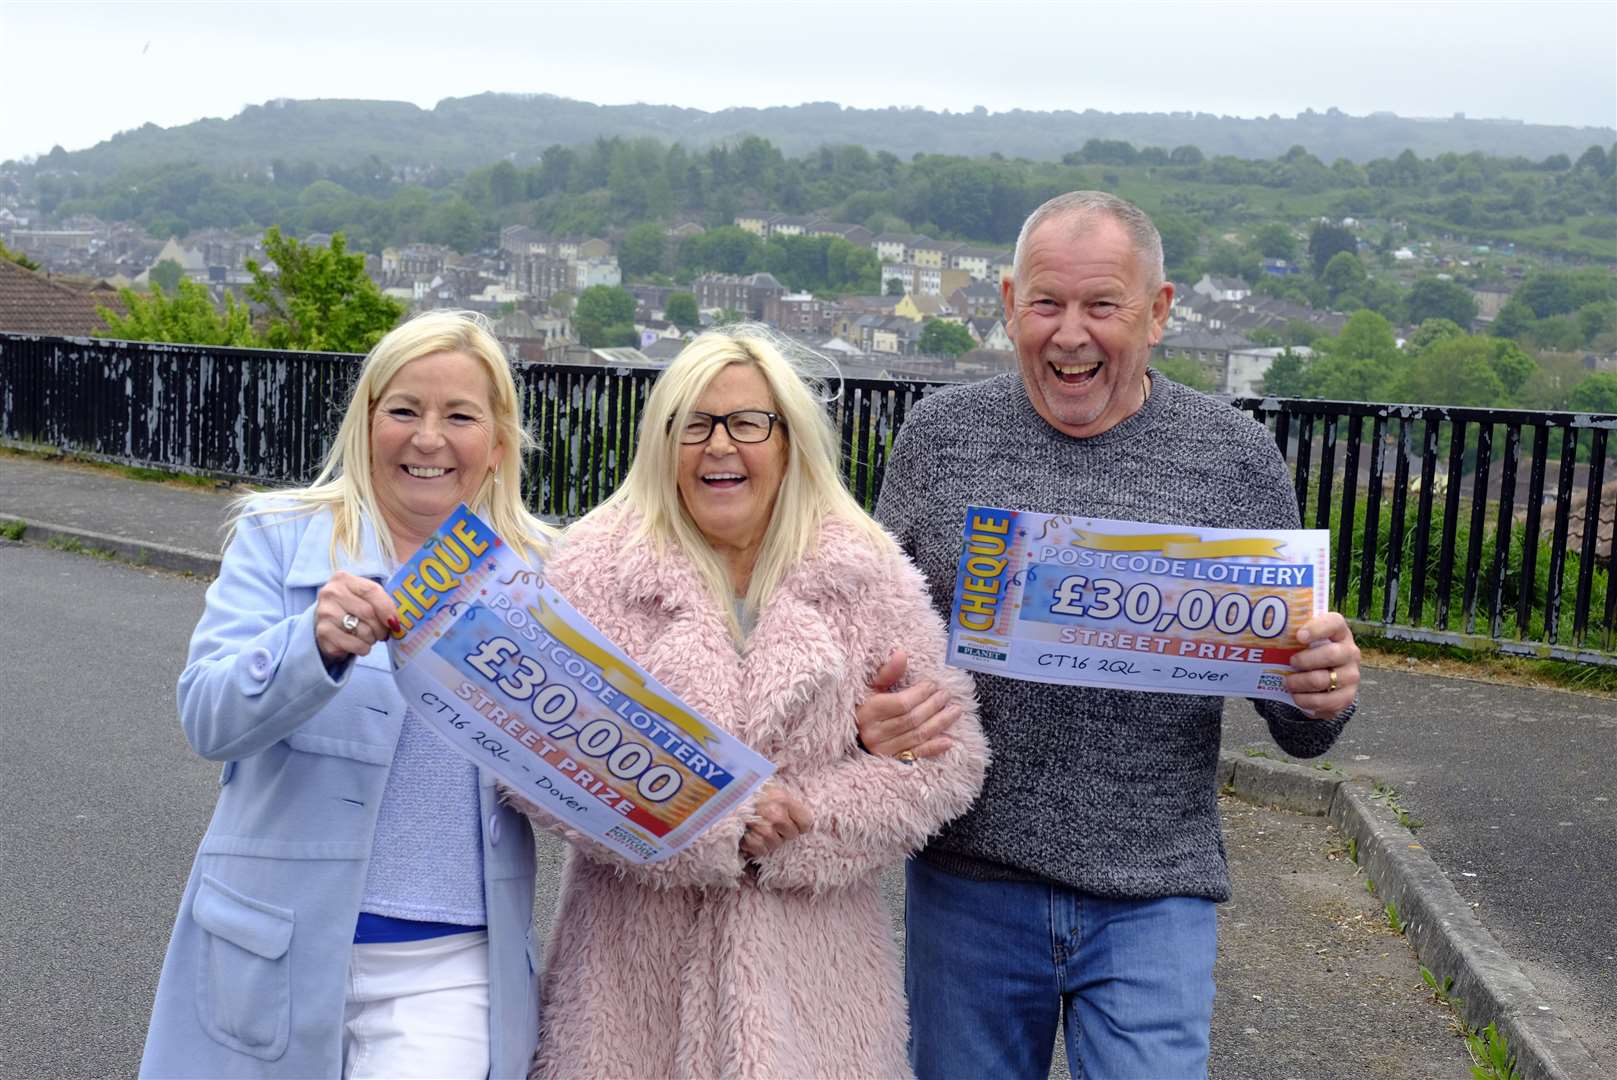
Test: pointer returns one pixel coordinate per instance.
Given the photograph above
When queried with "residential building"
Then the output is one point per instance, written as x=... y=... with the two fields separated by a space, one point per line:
x=744 y=293
x=853 y=234
x=652 y=298
x=31 y=303
x=896 y=247
x=983 y=264
x=543 y=276
x=1211 y=348
x=990 y=334
x=414 y=260
x=1222 y=288
x=1245 y=368
x=917 y=307
x=796 y=313
x=189 y=260
x=787 y=225
x=979 y=299
x=928 y=253
x=890 y=334
x=1490 y=298
x=588 y=272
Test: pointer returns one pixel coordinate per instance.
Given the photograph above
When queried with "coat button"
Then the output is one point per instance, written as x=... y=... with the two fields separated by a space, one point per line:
x=493 y=829
x=260 y=664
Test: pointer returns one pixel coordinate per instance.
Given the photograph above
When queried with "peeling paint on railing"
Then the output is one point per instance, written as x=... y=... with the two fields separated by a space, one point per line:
x=1466 y=560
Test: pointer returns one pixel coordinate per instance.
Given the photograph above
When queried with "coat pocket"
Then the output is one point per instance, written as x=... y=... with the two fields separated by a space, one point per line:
x=244 y=997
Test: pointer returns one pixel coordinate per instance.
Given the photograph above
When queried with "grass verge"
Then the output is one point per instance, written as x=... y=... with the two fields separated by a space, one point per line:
x=1461 y=663
x=192 y=481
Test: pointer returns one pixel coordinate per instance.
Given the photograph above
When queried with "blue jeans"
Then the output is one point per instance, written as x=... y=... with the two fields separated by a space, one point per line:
x=992 y=966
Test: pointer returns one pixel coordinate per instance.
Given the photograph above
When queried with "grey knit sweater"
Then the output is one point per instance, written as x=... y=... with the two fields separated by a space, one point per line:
x=1111 y=792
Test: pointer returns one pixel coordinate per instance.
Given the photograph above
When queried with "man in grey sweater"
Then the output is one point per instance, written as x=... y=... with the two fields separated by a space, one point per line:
x=1082 y=883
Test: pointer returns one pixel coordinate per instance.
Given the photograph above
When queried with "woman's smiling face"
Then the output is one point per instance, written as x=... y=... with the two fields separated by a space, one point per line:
x=432 y=441
x=729 y=487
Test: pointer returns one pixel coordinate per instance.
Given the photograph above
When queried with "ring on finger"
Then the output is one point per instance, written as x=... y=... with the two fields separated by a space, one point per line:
x=350 y=623
x=1333 y=681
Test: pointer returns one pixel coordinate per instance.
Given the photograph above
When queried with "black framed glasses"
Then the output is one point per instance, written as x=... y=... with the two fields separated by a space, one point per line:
x=743 y=426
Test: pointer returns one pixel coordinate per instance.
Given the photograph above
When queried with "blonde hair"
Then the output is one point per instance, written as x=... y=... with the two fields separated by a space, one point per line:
x=811 y=488
x=344 y=483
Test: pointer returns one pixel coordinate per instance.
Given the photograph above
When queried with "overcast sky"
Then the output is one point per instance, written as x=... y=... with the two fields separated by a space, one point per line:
x=74 y=74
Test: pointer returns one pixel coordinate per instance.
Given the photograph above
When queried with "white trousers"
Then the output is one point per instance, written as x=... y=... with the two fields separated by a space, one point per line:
x=418 y=1009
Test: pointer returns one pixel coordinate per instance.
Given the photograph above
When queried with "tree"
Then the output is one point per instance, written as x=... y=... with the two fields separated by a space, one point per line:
x=1359 y=364
x=1596 y=394
x=1454 y=371
x=1275 y=241
x=1434 y=298
x=1180 y=239
x=1430 y=332
x=942 y=338
x=601 y=315
x=1185 y=155
x=1287 y=376
x=1186 y=372
x=1325 y=241
x=727 y=249
x=188 y=316
x=166 y=275
x=17 y=257
x=1345 y=273
x=319 y=298
x=641 y=252
x=1103 y=152
x=1515 y=318
x=682 y=312
x=896 y=287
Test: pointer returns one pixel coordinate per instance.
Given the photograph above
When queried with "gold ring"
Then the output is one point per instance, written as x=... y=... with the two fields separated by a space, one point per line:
x=906 y=756
x=1333 y=679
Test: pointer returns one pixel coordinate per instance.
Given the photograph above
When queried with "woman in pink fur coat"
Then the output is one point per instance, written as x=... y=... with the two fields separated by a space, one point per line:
x=736 y=568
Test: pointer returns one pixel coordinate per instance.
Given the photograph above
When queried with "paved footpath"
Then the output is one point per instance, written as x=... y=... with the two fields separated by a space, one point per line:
x=1493 y=771
x=1517 y=794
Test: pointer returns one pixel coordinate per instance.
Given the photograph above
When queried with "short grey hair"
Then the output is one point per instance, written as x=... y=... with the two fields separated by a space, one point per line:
x=1142 y=234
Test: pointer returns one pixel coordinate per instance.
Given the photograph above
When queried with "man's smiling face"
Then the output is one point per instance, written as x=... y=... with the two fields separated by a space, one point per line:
x=1084 y=318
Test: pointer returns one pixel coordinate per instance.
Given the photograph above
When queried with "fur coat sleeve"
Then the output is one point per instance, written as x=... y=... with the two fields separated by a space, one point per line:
x=790 y=694
x=870 y=811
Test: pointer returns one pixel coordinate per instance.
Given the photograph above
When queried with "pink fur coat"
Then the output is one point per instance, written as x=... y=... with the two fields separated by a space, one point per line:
x=698 y=966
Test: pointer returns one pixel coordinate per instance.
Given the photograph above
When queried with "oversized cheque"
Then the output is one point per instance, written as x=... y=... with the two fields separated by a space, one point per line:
x=1135 y=606
x=503 y=668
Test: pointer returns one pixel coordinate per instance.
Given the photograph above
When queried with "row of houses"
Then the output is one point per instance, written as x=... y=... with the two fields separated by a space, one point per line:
x=919 y=264
x=1211 y=321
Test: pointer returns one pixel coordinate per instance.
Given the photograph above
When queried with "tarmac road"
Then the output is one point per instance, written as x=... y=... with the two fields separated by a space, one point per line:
x=103 y=804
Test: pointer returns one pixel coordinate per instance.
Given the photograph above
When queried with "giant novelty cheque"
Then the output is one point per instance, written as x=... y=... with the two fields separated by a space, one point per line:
x=1134 y=606
x=519 y=682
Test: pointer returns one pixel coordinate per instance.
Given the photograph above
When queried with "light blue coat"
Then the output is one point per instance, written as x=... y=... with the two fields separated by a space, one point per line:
x=254 y=980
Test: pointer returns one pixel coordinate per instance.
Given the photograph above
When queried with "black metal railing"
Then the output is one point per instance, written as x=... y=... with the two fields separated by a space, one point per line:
x=1447 y=528
x=1447 y=525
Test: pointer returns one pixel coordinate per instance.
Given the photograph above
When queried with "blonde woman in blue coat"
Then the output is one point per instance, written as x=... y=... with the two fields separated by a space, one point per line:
x=361 y=903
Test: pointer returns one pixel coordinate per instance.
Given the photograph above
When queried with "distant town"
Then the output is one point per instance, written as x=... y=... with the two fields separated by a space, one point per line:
x=527 y=286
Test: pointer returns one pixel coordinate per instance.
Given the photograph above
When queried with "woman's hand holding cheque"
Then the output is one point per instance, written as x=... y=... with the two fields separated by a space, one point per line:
x=351 y=614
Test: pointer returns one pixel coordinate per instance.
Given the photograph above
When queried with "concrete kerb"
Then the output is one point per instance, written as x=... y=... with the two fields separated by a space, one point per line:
x=140 y=553
x=1488 y=985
